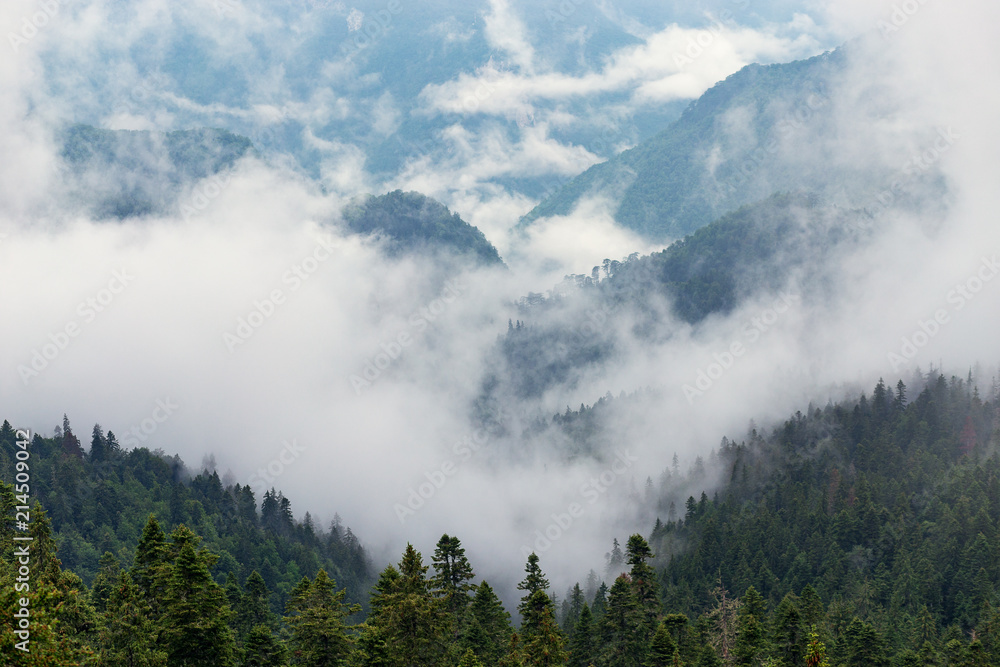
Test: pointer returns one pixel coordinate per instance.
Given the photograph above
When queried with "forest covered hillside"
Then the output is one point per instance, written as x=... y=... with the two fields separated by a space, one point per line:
x=862 y=533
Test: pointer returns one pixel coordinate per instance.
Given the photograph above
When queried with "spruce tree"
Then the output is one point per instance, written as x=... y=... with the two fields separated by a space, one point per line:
x=407 y=625
x=581 y=646
x=622 y=628
x=661 y=648
x=315 y=615
x=262 y=649
x=150 y=568
x=128 y=634
x=194 y=628
x=545 y=646
x=533 y=606
x=788 y=636
x=488 y=630
x=644 y=582
x=750 y=629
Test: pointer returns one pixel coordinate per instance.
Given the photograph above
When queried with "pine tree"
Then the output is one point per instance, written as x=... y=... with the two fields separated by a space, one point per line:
x=574 y=606
x=108 y=572
x=253 y=606
x=788 y=638
x=61 y=621
x=815 y=650
x=469 y=659
x=863 y=644
x=194 y=627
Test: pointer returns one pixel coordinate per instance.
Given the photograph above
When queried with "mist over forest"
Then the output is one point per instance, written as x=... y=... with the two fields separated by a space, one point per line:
x=499 y=333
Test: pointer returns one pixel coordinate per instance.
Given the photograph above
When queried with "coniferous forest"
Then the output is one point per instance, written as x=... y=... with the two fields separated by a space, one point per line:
x=863 y=533
x=754 y=241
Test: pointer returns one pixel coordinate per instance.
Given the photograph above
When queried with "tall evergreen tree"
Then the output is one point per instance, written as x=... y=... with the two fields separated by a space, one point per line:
x=622 y=628
x=453 y=575
x=644 y=582
x=262 y=649
x=128 y=635
x=194 y=627
x=406 y=619
x=315 y=616
x=750 y=629
x=544 y=647
x=488 y=630
x=98 y=445
x=582 y=644
x=150 y=569
x=536 y=603
x=661 y=648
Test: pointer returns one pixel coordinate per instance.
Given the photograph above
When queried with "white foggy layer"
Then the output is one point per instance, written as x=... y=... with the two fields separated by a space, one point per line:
x=352 y=386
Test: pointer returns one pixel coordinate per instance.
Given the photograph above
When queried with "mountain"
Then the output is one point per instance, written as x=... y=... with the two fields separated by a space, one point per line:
x=412 y=222
x=121 y=173
x=725 y=151
x=99 y=499
x=863 y=533
x=789 y=241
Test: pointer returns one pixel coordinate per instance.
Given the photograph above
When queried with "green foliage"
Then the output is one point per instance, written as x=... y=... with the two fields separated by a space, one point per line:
x=412 y=222
x=99 y=507
x=194 y=629
x=316 y=618
x=664 y=187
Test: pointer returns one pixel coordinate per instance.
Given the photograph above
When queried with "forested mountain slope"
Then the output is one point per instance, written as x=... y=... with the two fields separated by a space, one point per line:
x=863 y=533
x=99 y=499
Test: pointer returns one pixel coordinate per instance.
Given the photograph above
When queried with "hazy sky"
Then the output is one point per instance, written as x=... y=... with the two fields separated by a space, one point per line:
x=236 y=331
